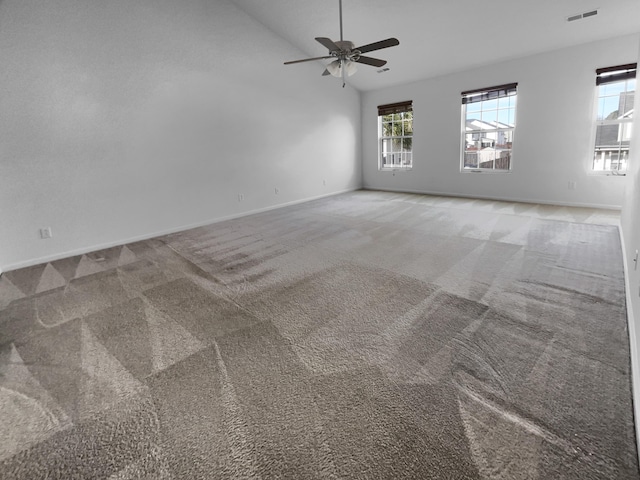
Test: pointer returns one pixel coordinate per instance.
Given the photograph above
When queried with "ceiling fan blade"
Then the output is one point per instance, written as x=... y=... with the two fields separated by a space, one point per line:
x=306 y=60
x=328 y=43
x=389 y=42
x=374 y=62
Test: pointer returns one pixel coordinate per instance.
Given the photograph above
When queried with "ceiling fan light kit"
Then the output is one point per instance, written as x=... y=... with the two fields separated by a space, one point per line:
x=346 y=56
x=335 y=68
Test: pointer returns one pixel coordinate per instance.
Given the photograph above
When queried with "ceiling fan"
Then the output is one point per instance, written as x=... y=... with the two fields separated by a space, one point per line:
x=346 y=54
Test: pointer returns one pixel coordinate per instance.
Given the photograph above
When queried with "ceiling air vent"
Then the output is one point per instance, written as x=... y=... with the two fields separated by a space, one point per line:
x=580 y=16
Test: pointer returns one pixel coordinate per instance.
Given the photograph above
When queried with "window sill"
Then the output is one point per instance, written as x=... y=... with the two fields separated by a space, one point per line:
x=609 y=173
x=490 y=172
x=394 y=170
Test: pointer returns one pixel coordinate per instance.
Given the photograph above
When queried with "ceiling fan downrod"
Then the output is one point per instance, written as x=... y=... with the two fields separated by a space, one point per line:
x=341 y=36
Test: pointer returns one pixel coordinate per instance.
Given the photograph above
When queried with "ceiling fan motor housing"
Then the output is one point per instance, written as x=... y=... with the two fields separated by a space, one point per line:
x=347 y=50
x=345 y=45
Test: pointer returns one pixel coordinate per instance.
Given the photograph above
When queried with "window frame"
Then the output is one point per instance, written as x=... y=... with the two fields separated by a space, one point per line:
x=393 y=109
x=607 y=76
x=481 y=95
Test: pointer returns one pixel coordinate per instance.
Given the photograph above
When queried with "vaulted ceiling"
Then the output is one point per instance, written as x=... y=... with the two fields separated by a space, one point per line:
x=441 y=36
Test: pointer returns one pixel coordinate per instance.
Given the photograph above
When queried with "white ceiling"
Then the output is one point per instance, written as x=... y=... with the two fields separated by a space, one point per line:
x=441 y=36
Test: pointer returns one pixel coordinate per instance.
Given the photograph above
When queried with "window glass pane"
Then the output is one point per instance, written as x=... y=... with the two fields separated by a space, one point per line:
x=472 y=115
x=486 y=157
x=505 y=102
x=473 y=139
x=387 y=129
x=610 y=147
x=626 y=104
x=605 y=131
x=470 y=159
x=612 y=88
x=503 y=159
x=490 y=104
x=408 y=127
x=473 y=107
x=504 y=139
x=600 y=108
x=611 y=158
x=608 y=108
x=504 y=116
x=386 y=146
x=488 y=153
x=489 y=116
x=606 y=135
x=391 y=129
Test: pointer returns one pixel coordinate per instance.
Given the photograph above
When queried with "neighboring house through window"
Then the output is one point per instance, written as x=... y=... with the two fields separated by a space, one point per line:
x=614 y=117
x=395 y=134
x=488 y=118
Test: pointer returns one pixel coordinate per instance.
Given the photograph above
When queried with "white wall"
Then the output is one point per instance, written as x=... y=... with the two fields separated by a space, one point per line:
x=554 y=129
x=631 y=242
x=124 y=119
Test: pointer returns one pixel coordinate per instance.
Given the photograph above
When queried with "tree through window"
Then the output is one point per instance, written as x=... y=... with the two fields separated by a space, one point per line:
x=395 y=127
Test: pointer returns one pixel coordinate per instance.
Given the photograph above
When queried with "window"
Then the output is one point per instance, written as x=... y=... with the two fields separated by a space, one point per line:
x=489 y=121
x=395 y=131
x=614 y=118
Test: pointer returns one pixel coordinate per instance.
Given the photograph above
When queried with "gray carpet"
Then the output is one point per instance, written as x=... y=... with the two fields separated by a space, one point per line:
x=367 y=335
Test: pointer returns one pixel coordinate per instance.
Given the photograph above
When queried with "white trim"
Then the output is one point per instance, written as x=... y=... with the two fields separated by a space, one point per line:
x=102 y=246
x=633 y=348
x=395 y=169
x=499 y=199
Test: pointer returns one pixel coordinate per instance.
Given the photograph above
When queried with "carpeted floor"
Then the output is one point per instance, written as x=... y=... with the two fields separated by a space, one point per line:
x=366 y=335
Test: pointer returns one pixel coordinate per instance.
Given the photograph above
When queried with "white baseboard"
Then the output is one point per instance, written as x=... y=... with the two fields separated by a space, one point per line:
x=633 y=345
x=102 y=246
x=499 y=199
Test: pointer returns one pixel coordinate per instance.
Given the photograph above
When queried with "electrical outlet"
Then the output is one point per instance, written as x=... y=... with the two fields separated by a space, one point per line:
x=240 y=197
x=572 y=185
x=276 y=190
x=324 y=182
x=45 y=233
